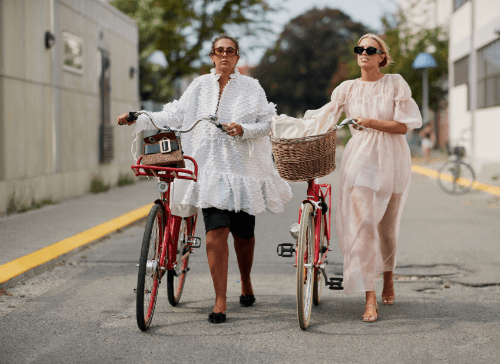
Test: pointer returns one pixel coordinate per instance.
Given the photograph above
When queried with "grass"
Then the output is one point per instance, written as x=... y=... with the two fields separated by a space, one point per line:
x=15 y=206
x=97 y=185
x=125 y=180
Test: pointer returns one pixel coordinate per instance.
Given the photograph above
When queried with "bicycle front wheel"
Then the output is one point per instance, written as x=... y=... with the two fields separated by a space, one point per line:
x=177 y=279
x=305 y=265
x=148 y=279
x=456 y=178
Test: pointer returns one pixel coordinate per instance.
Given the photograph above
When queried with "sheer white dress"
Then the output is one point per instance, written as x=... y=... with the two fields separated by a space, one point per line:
x=375 y=175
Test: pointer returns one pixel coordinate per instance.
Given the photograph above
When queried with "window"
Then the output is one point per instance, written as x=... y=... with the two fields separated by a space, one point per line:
x=461 y=71
x=458 y=3
x=488 y=75
x=72 y=53
x=461 y=75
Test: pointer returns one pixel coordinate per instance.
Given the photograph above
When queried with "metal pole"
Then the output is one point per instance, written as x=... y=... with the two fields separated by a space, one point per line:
x=472 y=87
x=425 y=96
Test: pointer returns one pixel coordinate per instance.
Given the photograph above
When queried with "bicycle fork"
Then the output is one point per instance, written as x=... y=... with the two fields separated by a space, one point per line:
x=287 y=250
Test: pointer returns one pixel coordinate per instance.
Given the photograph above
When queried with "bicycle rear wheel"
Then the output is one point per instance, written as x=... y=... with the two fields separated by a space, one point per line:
x=305 y=265
x=318 y=279
x=456 y=178
x=148 y=279
x=176 y=280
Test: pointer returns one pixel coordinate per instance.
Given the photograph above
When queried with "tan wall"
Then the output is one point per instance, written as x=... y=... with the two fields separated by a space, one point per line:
x=49 y=135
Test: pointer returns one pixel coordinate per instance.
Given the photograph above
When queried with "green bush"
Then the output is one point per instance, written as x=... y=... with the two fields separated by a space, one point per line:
x=97 y=185
x=124 y=180
x=16 y=206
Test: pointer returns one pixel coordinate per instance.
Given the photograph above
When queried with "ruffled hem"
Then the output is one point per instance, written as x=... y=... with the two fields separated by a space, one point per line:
x=233 y=192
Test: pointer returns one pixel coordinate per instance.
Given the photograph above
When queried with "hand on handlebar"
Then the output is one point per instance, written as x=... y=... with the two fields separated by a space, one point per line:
x=361 y=123
x=233 y=129
x=127 y=118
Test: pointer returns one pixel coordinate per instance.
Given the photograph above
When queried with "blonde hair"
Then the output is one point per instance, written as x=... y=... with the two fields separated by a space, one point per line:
x=385 y=49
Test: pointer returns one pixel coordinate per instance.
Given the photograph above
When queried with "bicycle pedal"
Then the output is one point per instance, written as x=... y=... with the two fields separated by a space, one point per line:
x=285 y=250
x=335 y=284
x=193 y=242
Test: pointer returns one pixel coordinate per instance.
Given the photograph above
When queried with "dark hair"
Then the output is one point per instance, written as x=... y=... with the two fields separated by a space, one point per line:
x=225 y=36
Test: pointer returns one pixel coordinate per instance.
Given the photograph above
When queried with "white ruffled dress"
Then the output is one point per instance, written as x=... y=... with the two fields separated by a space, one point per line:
x=235 y=173
x=375 y=174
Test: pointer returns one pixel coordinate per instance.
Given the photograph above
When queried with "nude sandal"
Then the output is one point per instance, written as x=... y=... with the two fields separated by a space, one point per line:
x=371 y=317
x=388 y=300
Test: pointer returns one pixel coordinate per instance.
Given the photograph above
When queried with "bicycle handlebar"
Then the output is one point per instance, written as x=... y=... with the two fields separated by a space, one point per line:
x=348 y=121
x=133 y=115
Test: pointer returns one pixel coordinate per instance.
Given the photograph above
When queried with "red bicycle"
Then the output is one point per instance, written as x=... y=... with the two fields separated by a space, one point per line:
x=168 y=240
x=312 y=242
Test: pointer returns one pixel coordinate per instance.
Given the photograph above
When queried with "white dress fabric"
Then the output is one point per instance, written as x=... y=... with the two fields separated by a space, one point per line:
x=235 y=173
x=375 y=175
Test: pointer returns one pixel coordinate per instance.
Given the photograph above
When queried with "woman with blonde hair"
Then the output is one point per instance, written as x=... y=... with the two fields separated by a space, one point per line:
x=375 y=169
x=375 y=172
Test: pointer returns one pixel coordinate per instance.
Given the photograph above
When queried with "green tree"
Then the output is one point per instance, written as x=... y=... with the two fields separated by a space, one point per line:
x=183 y=31
x=296 y=73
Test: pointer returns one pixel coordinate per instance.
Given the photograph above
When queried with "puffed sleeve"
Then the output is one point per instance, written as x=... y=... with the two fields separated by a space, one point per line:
x=314 y=122
x=264 y=116
x=172 y=114
x=329 y=115
x=406 y=109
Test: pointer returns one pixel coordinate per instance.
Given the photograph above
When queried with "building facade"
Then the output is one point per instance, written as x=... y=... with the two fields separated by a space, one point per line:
x=67 y=68
x=474 y=79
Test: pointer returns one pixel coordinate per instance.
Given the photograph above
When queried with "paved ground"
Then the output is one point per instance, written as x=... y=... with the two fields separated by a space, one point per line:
x=83 y=308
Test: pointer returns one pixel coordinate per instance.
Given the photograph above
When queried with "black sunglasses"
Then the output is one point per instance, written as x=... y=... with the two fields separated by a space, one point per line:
x=370 y=50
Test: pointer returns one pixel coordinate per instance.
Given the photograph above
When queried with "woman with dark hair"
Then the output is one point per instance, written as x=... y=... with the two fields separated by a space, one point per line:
x=236 y=178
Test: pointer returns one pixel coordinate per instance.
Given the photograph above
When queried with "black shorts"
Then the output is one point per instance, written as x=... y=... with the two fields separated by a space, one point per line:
x=239 y=223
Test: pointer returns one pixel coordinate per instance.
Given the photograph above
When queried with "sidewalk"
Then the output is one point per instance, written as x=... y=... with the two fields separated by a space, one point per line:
x=31 y=241
x=485 y=181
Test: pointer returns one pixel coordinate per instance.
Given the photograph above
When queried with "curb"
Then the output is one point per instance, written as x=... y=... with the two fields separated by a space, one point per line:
x=428 y=172
x=27 y=265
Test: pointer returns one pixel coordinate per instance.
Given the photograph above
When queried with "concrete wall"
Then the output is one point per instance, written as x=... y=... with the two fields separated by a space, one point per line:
x=482 y=142
x=49 y=135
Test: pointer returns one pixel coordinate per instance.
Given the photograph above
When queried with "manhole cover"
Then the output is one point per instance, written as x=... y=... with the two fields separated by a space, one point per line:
x=426 y=271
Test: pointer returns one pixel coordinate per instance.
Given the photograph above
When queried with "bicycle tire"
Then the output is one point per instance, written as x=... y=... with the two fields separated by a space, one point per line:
x=148 y=279
x=175 y=283
x=305 y=255
x=456 y=178
x=318 y=279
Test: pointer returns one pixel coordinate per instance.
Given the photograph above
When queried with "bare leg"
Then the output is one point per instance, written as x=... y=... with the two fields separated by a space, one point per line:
x=387 y=233
x=218 y=256
x=362 y=200
x=244 y=253
x=388 y=293
x=371 y=309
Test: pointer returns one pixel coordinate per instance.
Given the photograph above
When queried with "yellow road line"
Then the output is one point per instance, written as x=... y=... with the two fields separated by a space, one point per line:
x=23 y=264
x=494 y=190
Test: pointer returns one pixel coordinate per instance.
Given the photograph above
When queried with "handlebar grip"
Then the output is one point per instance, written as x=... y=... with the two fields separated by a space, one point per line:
x=131 y=116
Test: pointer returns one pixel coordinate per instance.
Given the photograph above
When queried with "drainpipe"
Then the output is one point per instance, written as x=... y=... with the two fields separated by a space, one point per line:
x=472 y=87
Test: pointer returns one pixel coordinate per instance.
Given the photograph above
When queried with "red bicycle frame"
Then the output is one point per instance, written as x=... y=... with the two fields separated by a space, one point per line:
x=171 y=224
x=316 y=194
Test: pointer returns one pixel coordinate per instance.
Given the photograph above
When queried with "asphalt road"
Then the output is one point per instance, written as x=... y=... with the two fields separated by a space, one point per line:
x=446 y=310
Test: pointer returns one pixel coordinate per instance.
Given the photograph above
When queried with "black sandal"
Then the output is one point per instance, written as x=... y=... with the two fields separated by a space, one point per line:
x=217 y=317
x=247 y=300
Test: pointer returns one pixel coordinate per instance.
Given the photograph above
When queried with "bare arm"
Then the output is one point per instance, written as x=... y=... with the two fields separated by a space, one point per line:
x=387 y=126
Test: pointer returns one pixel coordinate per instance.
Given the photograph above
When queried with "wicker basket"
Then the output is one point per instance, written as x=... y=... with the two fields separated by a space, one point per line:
x=301 y=159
